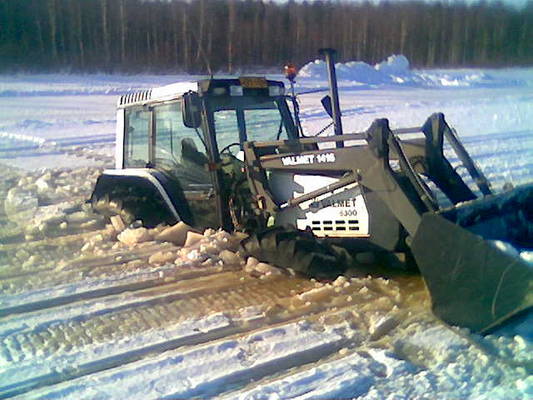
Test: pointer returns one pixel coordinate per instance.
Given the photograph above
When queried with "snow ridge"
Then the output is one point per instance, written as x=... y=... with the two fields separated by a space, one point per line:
x=396 y=71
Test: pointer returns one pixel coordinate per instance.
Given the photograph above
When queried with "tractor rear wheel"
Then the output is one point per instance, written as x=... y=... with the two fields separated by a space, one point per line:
x=109 y=208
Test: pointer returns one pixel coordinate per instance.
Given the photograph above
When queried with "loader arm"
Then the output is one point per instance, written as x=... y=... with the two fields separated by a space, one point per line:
x=367 y=165
x=472 y=282
x=426 y=154
x=404 y=190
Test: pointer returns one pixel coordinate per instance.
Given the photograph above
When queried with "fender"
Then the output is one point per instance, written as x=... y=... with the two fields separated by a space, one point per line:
x=148 y=194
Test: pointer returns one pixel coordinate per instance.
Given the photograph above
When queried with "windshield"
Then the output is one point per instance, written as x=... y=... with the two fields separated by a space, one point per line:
x=244 y=120
x=264 y=125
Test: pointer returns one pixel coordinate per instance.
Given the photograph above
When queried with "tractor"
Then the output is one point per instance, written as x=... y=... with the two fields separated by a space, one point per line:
x=230 y=153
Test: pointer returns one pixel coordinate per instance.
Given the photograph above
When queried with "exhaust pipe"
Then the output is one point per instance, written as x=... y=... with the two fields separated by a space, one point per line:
x=329 y=54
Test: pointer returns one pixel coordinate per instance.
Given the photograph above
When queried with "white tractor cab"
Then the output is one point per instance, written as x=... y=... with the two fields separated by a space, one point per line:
x=171 y=141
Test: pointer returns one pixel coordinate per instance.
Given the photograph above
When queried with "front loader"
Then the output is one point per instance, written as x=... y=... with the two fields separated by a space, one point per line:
x=228 y=153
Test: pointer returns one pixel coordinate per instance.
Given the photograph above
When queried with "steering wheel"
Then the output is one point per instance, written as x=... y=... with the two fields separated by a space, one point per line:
x=226 y=149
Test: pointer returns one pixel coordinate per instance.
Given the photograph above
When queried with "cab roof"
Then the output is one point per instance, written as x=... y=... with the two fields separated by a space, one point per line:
x=213 y=86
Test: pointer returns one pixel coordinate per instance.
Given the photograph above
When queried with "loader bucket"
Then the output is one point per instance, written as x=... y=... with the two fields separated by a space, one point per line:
x=467 y=257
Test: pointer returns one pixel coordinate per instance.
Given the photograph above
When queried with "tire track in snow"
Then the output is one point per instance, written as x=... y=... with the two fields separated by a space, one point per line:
x=81 y=268
x=277 y=295
x=83 y=274
x=87 y=343
x=49 y=247
x=346 y=374
x=93 y=148
x=204 y=370
x=83 y=309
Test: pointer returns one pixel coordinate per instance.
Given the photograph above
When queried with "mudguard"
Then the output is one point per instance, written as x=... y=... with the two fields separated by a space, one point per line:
x=147 y=194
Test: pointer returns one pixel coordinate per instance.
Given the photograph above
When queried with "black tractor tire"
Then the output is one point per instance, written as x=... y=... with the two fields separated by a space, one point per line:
x=109 y=208
x=132 y=208
x=300 y=251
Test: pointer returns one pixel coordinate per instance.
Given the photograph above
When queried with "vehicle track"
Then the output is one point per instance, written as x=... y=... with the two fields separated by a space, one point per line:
x=94 y=335
x=229 y=326
x=83 y=267
x=55 y=344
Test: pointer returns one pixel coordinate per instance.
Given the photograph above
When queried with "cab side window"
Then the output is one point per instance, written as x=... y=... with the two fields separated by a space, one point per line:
x=177 y=149
x=137 y=138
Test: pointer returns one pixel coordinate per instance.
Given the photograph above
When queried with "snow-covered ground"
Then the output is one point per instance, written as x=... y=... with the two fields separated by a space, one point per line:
x=95 y=311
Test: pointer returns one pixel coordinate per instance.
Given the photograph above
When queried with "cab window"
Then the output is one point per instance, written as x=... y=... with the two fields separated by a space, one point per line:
x=137 y=136
x=227 y=128
x=246 y=118
x=177 y=149
x=265 y=125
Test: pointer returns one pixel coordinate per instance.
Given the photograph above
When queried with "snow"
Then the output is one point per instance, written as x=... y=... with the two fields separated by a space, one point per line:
x=364 y=338
x=395 y=71
x=37 y=367
x=508 y=248
x=395 y=64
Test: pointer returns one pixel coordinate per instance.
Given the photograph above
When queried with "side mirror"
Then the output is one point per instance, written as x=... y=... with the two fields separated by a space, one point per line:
x=326 y=103
x=190 y=110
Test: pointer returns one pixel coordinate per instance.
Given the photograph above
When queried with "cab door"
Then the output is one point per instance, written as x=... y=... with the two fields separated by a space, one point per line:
x=182 y=154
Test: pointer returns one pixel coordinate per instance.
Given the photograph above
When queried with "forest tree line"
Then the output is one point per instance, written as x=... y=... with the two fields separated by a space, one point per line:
x=232 y=35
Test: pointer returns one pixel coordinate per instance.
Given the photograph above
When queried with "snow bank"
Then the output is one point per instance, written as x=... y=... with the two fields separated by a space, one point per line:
x=359 y=71
x=395 y=70
x=394 y=65
x=527 y=256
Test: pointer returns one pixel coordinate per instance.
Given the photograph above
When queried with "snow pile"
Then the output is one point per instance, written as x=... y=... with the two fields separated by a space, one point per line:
x=527 y=256
x=395 y=70
x=358 y=71
x=456 y=79
x=394 y=65
x=188 y=247
x=51 y=201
